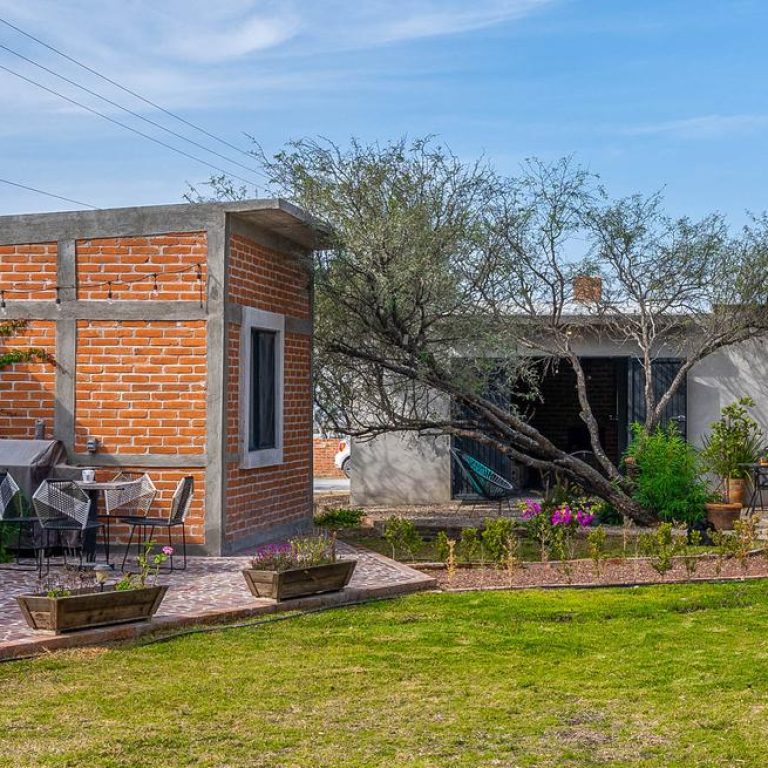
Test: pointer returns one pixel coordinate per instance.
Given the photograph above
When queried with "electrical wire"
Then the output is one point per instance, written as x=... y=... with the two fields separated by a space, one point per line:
x=47 y=194
x=127 y=110
x=124 y=125
x=124 y=88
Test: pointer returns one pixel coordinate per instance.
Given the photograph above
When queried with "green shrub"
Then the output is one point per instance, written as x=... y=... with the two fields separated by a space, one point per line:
x=469 y=545
x=497 y=536
x=667 y=482
x=442 y=547
x=402 y=536
x=339 y=517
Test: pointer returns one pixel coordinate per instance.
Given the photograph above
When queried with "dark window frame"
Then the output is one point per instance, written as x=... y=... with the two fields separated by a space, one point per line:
x=263 y=390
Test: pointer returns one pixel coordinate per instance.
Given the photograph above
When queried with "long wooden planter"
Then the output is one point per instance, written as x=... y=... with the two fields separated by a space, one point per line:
x=300 y=582
x=83 y=610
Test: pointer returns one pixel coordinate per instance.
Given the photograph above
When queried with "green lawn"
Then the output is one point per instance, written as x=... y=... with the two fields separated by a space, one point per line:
x=659 y=676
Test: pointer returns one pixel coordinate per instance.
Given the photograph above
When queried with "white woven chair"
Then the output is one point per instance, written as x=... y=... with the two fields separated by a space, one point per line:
x=63 y=510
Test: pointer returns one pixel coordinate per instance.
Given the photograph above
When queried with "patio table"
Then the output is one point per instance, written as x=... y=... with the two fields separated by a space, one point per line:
x=94 y=489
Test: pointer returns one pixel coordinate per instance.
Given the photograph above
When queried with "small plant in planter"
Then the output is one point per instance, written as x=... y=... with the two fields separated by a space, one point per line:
x=304 y=566
x=734 y=440
x=81 y=599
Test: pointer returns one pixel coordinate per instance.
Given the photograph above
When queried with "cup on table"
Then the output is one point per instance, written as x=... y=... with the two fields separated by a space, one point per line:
x=89 y=475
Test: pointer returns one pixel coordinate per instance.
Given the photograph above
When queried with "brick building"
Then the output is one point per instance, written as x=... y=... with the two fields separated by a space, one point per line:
x=182 y=344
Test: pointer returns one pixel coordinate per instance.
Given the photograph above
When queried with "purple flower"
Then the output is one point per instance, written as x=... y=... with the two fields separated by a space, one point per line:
x=531 y=509
x=562 y=516
x=167 y=551
x=584 y=518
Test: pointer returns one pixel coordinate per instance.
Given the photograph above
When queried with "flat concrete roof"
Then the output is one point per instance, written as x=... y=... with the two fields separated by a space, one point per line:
x=273 y=214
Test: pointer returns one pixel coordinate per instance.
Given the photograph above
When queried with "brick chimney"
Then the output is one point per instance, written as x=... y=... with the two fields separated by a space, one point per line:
x=587 y=289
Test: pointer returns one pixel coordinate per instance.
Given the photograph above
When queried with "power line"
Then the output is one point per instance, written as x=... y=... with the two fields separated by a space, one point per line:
x=47 y=194
x=124 y=88
x=127 y=110
x=124 y=125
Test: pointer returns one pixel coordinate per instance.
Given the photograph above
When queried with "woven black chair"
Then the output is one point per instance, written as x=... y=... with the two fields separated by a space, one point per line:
x=486 y=483
x=63 y=511
x=144 y=525
x=759 y=487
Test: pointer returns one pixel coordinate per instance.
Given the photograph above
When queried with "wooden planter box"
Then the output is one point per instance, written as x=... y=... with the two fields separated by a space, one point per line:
x=300 y=582
x=83 y=610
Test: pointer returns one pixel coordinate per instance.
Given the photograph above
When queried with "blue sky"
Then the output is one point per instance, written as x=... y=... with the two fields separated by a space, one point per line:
x=647 y=93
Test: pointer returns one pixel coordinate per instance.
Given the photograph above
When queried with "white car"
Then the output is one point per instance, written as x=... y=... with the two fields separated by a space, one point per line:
x=342 y=457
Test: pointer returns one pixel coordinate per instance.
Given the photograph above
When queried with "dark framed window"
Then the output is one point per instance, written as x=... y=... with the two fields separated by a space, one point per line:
x=262 y=430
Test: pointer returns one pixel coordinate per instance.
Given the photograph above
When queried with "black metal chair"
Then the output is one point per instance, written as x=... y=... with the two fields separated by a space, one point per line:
x=759 y=487
x=63 y=510
x=486 y=483
x=180 y=503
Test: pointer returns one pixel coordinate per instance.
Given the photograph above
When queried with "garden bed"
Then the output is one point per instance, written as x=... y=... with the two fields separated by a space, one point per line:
x=581 y=573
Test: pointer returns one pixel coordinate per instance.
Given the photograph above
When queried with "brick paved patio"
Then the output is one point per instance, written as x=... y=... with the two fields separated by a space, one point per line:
x=210 y=590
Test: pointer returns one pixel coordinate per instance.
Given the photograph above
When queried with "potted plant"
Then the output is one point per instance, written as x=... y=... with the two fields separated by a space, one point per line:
x=304 y=566
x=735 y=440
x=82 y=599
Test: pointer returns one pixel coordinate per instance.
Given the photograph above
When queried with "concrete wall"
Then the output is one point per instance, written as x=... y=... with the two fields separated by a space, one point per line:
x=724 y=377
x=398 y=469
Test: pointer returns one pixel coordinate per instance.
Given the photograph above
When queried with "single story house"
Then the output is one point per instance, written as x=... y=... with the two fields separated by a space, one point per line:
x=180 y=339
x=402 y=469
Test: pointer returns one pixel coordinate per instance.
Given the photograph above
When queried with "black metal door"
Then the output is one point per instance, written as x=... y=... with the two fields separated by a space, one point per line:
x=663 y=372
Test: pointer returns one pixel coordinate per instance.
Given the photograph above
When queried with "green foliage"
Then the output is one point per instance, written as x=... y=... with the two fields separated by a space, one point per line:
x=442 y=546
x=735 y=439
x=470 y=545
x=499 y=538
x=337 y=518
x=605 y=513
x=10 y=328
x=402 y=536
x=596 y=546
x=667 y=482
x=661 y=546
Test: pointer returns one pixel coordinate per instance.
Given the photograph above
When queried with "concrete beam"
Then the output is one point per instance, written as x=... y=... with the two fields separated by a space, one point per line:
x=20 y=309
x=150 y=460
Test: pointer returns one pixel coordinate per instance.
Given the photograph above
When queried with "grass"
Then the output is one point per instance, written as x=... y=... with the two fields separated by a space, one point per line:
x=659 y=676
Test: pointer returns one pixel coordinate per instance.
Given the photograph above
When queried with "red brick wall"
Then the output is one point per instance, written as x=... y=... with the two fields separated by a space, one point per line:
x=138 y=258
x=257 y=499
x=268 y=280
x=324 y=450
x=30 y=268
x=140 y=386
x=27 y=389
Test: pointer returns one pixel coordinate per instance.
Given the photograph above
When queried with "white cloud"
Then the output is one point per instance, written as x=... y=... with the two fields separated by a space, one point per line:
x=703 y=126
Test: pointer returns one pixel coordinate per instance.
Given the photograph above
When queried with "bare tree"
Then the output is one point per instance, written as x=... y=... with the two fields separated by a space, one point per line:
x=445 y=286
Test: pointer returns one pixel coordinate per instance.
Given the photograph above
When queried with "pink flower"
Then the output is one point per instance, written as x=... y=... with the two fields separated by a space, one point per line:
x=584 y=518
x=167 y=551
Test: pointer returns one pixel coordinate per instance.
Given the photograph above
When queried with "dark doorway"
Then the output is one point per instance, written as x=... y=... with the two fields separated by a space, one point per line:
x=615 y=392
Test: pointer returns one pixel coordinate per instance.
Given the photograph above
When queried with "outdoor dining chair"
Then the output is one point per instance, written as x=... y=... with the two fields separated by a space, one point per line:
x=11 y=510
x=144 y=525
x=759 y=487
x=63 y=509
x=486 y=483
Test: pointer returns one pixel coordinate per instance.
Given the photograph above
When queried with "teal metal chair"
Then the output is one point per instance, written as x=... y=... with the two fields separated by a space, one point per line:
x=486 y=483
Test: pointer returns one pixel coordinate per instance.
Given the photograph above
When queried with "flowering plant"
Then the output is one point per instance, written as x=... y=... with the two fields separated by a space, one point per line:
x=301 y=552
x=552 y=525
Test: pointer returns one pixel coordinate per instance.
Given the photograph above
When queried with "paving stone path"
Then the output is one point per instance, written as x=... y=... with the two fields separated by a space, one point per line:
x=212 y=588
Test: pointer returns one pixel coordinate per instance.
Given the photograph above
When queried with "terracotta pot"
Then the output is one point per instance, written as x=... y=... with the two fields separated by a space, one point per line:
x=736 y=486
x=723 y=516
